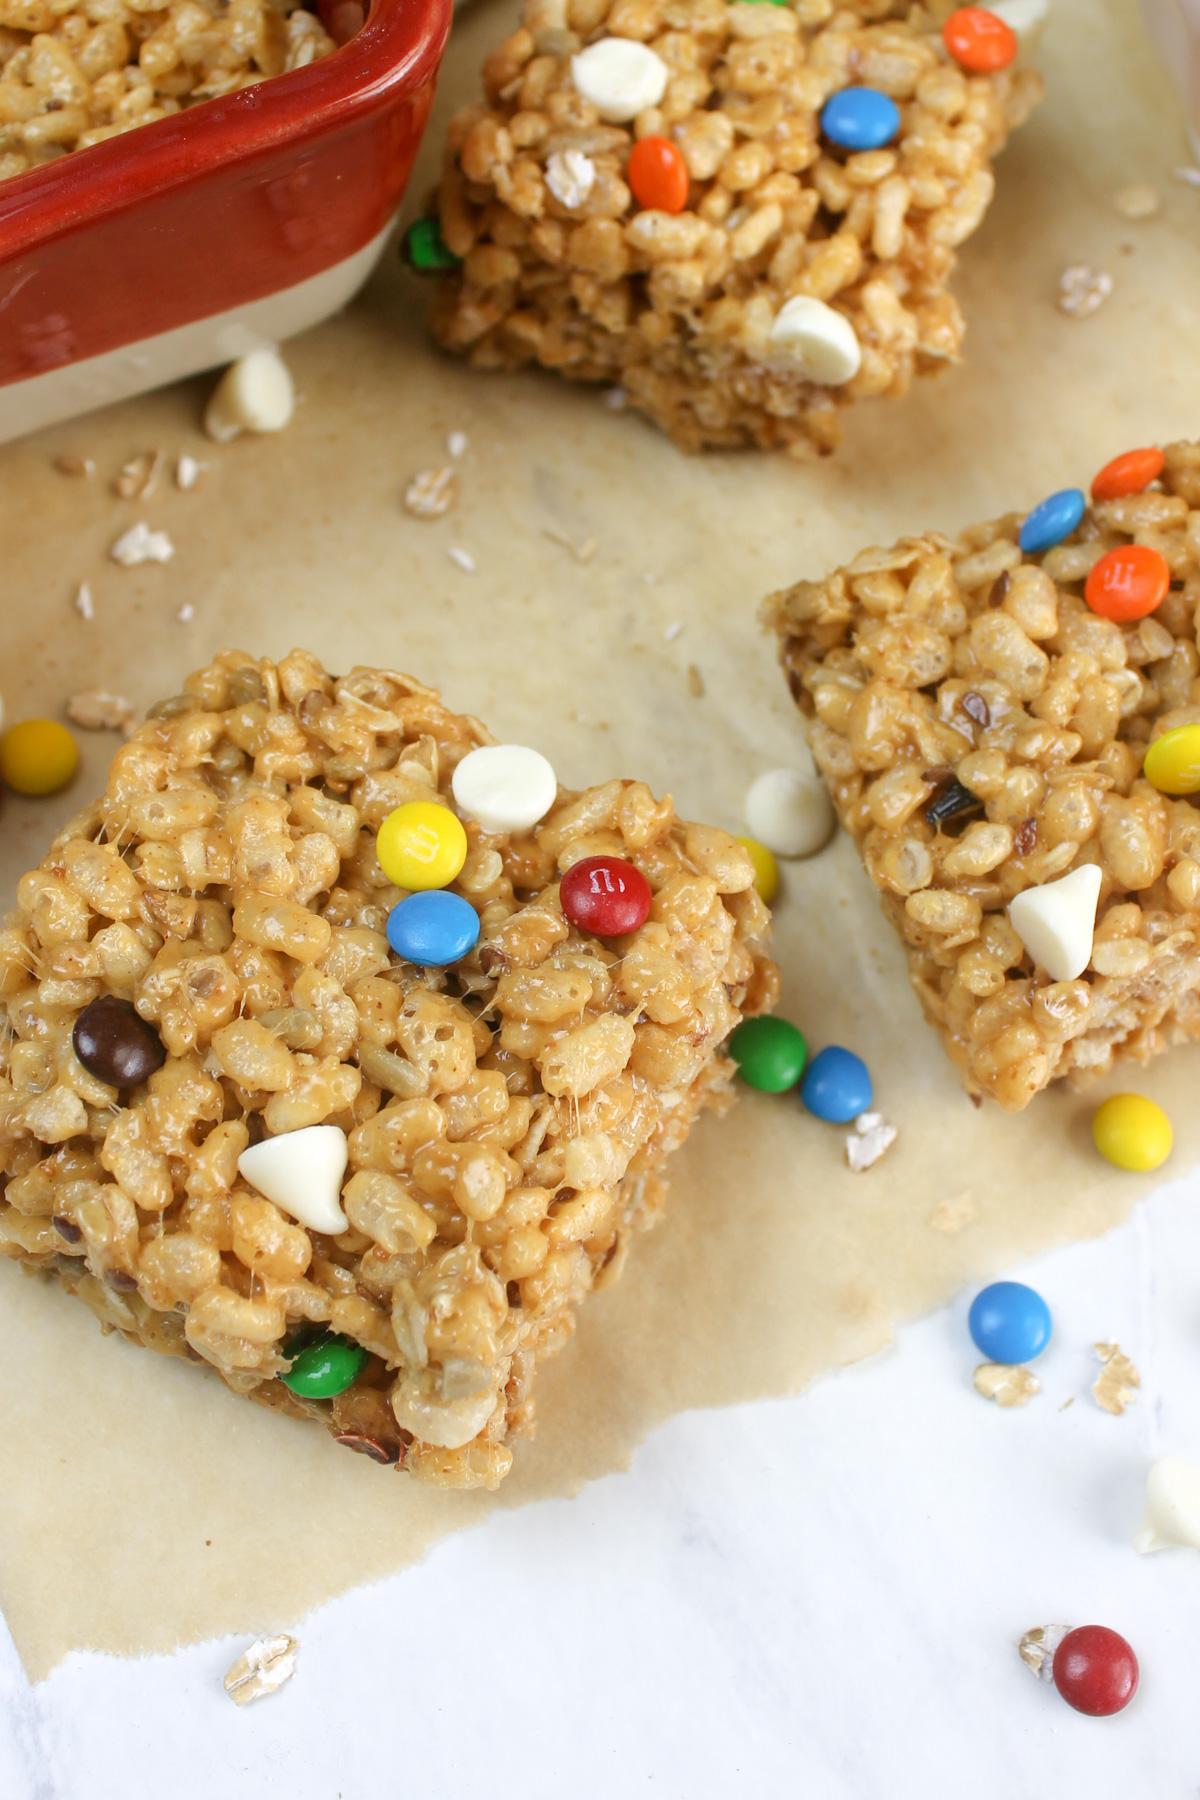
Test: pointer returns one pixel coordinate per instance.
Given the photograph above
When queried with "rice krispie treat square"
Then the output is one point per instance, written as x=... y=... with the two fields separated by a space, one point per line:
x=982 y=713
x=212 y=1049
x=658 y=194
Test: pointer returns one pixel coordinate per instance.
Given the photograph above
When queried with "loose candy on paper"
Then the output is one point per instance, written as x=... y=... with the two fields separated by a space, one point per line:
x=1172 y=1515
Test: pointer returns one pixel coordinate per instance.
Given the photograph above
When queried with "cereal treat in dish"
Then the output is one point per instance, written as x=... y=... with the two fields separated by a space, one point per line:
x=74 y=74
x=345 y=1049
x=1009 y=724
x=745 y=215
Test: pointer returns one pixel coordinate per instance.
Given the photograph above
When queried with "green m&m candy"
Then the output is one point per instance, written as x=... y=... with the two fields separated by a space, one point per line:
x=324 y=1365
x=424 y=249
x=770 y=1054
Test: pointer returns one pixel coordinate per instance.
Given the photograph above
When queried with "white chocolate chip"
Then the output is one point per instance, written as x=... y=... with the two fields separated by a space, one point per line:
x=505 y=787
x=140 y=545
x=872 y=1135
x=820 y=340
x=188 y=472
x=254 y=394
x=1037 y=1647
x=621 y=78
x=266 y=1665
x=791 y=814
x=301 y=1171
x=570 y=176
x=1172 y=1513
x=1056 y=922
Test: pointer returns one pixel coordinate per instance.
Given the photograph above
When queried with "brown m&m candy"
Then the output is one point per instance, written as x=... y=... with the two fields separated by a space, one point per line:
x=115 y=1044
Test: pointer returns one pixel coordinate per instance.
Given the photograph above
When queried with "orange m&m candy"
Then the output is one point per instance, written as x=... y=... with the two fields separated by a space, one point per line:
x=658 y=175
x=1127 y=583
x=1130 y=473
x=979 y=41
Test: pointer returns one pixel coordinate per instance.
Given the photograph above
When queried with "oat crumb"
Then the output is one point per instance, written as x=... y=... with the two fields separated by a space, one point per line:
x=431 y=494
x=139 y=478
x=1036 y=1649
x=97 y=710
x=1115 y=1386
x=188 y=472
x=266 y=1665
x=463 y=558
x=456 y=444
x=695 y=682
x=953 y=1216
x=1082 y=290
x=139 y=545
x=1137 y=200
x=673 y=630
x=84 y=604
x=81 y=467
x=616 y=399
x=1008 y=1384
x=186 y=613
x=872 y=1135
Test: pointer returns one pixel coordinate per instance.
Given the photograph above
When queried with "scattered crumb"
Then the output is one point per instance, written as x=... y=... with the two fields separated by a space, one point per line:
x=139 y=545
x=97 y=710
x=1190 y=175
x=672 y=632
x=456 y=444
x=431 y=493
x=1137 y=200
x=186 y=613
x=616 y=399
x=81 y=467
x=266 y=1665
x=1037 y=1647
x=582 y=552
x=1008 y=1384
x=871 y=1136
x=463 y=558
x=953 y=1216
x=1069 y=1401
x=139 y=478
x=695 y=681
x=188 y=472
x=1115 y=1386
x=1081 y=290
x=84 y=604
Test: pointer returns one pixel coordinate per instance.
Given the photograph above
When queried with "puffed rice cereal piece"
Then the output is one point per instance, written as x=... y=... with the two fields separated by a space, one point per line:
x=435 y=1165
x=798 y=277
x=982 y=731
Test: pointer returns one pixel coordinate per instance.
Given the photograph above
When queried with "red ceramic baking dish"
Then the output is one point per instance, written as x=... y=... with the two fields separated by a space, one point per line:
x=183 y=244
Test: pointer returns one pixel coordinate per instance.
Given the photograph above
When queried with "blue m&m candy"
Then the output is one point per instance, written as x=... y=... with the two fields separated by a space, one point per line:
x=1052 y=521
x=1009 y=1322
x=837 y=1086
x=433 y=928
x=860 y=118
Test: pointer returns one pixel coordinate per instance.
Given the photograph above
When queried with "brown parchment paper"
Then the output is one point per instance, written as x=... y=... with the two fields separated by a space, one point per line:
x=142 y=1506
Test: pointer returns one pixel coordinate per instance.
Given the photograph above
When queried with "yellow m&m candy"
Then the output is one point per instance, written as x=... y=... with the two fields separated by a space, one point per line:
x=421 y=845
x=38 y=756
x=1173 y=761
x=1132 y=1132
x=766 y=869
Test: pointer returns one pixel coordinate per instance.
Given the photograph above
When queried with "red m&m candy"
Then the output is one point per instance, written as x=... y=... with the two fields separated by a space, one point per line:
x=1130 y=473
x=1127 y=583
x=979 y=41
x=658 y=175
x=1095 y=1670
x=606 y=896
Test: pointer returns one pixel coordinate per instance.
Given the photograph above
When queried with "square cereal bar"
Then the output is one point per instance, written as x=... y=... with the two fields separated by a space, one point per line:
x=653 y=195
x=982 y=725
x=199 y=968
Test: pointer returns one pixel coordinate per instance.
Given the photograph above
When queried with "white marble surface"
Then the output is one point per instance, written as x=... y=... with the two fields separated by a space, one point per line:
x=815 y=1597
